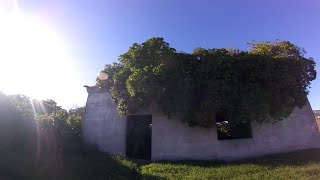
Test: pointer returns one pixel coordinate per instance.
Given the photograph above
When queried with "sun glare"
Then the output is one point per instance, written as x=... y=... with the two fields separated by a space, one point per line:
x=33 y=58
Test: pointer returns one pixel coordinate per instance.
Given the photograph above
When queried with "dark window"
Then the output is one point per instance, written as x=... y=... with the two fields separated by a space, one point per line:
x=227 y=130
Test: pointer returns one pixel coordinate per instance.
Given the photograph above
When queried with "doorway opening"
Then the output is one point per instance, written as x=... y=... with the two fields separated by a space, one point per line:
x=139 y=131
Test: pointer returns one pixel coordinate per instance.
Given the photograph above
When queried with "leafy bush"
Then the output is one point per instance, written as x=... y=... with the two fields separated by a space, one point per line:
x=17 y=127
x=263 y=84
x=29 y=125
x=61 y=122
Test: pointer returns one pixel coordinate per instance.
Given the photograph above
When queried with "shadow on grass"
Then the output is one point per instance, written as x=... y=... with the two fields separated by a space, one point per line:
x=75 y=163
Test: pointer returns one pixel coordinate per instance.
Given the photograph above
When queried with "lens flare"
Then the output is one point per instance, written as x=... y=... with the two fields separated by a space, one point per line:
x=102 y=76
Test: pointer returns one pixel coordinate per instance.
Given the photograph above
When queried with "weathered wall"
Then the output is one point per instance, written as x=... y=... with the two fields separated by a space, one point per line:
x=174 y=140
x=102 y=125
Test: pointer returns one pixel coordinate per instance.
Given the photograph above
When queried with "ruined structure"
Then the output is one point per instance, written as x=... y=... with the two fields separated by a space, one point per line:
x=151 y=135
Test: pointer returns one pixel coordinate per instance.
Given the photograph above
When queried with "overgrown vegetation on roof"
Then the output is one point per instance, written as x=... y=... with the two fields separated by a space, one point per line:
x=263 y=84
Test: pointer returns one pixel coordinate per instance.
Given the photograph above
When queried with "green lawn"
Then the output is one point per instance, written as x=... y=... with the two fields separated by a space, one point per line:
x=83 y=164
x=296 y=165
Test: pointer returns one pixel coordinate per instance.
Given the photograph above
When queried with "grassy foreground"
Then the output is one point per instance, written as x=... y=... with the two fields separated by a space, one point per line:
x=295 y=165
x=81 y=164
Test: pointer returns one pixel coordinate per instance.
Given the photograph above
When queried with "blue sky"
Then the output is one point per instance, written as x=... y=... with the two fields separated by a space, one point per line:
x=98 y=31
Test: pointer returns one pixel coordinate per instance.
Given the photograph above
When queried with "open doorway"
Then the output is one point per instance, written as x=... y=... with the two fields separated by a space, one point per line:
x=139 y=130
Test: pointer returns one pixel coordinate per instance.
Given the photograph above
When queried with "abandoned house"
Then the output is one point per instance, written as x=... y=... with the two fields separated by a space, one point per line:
x=151 y=135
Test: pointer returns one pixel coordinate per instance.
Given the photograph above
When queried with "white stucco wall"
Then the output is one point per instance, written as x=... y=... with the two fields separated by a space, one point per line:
x=298 y=131
x=102 y=125
x=174 y=140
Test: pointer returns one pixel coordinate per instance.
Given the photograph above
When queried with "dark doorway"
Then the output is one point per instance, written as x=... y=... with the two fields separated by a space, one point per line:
x=139 y=136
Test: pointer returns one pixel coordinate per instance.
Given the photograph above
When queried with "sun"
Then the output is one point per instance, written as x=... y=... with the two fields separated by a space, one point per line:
x=33 y=58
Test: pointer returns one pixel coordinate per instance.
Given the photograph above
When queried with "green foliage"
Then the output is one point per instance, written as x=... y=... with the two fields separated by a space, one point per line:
x=25 y=123
x=111 y=70
x=76 y=117
x=61 y=123
x=263 y=84
x=276 y=48
x=17 y=127
x=22 y=105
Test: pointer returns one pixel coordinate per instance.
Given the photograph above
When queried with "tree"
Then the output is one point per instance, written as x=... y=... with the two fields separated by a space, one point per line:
x=263 y=84
x=17 y=126
x=62 y=123
x=276 y=49
x=76 y=116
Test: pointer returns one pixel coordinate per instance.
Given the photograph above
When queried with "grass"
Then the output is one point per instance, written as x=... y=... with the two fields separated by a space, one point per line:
x=82 y=163
x=296 y=165
x=77 y=163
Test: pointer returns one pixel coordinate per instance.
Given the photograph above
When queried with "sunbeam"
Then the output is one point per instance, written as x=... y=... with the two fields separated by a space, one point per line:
x=37 y=130
x=34 y=59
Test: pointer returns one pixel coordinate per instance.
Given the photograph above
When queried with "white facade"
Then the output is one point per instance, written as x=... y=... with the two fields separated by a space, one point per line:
x=102 y=125
x=174 y=140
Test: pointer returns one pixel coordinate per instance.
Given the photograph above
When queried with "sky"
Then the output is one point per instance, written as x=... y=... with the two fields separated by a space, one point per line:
x=94 y=33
